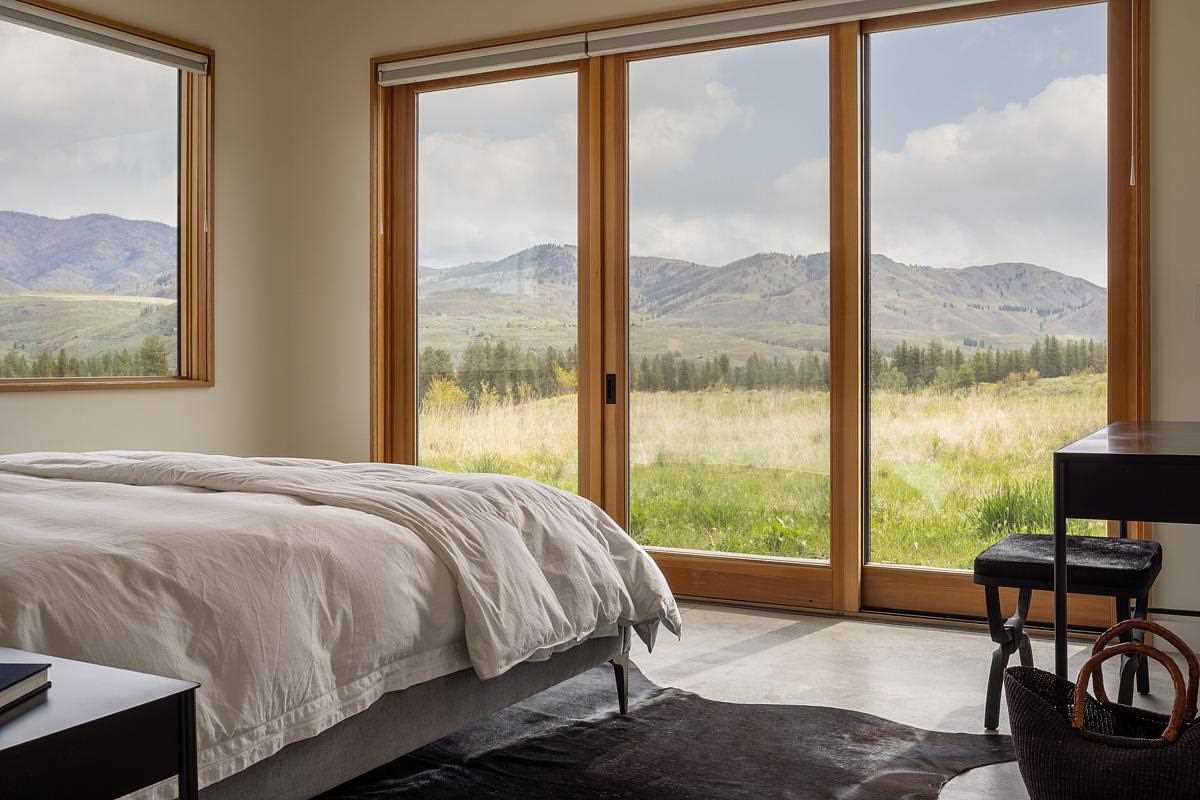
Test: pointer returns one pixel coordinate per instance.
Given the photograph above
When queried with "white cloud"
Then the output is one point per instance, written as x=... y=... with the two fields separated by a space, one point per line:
x=85 y=130
x=665 y=138
x=1022 y=183
x=1025 y=182
x=482 y=197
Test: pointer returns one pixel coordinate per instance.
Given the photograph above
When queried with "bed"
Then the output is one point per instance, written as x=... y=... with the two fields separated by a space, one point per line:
x=336 y=615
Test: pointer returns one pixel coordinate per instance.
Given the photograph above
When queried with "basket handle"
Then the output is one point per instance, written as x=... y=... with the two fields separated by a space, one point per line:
x=1171 y=733
x=1158 y=630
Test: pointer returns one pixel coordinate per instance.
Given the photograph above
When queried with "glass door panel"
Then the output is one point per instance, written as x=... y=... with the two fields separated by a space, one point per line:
x=987 y=299
x=728 y=230
x=497 y=278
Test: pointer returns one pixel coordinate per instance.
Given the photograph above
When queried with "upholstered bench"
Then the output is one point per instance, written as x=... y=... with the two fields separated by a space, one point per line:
x=1124 y=569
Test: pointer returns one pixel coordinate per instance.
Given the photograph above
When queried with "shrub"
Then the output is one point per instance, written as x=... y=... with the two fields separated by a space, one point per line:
x=444 y=394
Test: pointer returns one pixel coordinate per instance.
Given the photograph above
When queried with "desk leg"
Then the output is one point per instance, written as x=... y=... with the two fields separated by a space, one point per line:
x=189 y=785
x=1060 y=574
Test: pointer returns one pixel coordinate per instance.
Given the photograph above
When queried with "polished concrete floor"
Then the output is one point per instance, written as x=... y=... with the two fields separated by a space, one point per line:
x=931 y=677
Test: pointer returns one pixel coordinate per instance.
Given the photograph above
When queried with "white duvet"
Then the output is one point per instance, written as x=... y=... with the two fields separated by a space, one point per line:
x=297 y=591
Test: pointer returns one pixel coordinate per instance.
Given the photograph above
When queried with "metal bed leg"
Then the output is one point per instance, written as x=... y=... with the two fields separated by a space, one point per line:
x=618 y=665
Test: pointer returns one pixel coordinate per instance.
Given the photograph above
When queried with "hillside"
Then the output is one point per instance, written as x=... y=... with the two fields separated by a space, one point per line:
x=93 y=254
x=87 y=285
x=770 y=303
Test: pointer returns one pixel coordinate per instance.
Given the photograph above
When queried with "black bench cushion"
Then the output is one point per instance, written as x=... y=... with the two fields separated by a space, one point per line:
x=1095 y=565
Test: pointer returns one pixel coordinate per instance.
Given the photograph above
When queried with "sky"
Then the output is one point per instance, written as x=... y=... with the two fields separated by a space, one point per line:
x=85 y=130
x=987 y=138
x=987 y=144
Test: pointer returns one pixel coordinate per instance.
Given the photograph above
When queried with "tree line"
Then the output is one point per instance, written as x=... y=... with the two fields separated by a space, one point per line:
x=912 y=367
x=488 y=372
x=152 y=358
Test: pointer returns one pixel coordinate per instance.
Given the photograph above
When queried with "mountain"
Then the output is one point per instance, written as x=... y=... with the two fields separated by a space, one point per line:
x=769 y=303
x=92 y=254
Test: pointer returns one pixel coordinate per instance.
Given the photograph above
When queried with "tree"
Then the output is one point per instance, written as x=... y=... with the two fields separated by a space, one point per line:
x=152 y=357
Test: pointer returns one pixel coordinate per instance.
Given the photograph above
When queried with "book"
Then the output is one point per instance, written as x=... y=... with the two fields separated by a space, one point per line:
x=19 y=682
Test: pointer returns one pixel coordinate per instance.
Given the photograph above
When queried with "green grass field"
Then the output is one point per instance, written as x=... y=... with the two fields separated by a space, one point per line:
x=84 y=325
x=748 y=471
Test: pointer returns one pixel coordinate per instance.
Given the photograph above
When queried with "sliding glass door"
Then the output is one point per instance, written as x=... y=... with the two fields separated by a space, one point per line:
x=987 y=280
x=497 y=281
x=807 y=311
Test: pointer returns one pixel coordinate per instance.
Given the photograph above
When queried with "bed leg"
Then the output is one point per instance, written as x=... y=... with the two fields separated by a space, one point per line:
x=618 y=665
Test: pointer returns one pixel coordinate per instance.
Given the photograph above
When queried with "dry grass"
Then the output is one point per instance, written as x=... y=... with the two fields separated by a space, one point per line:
x=748 y=471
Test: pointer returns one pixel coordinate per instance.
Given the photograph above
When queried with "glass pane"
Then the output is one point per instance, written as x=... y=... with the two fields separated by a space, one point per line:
x=729 y=299
x=497 y=284
x=89 y=183
x=988 y=309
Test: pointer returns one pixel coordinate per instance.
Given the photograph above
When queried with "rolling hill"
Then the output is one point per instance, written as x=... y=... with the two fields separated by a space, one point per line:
x=770 y=303
x=93 y=254
x=101 y=282
x=85 y=285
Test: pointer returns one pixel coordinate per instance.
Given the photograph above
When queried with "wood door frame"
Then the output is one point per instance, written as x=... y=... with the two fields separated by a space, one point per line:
x=393 y=400
x=797 y=583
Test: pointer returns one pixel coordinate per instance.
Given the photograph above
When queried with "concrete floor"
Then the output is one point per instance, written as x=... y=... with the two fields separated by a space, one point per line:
x=921 y=675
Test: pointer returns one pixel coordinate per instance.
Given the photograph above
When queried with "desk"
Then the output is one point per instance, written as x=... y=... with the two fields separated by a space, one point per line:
x=97 y=733
x=1128 y=472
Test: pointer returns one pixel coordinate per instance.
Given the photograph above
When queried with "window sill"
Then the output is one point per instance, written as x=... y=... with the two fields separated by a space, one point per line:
x=86 y=384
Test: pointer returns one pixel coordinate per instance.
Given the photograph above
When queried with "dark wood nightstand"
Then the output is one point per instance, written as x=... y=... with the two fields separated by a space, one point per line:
x=97 y=734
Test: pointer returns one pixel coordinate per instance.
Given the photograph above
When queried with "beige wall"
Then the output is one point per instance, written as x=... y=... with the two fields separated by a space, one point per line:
x=1175 y=265
x=239 y=415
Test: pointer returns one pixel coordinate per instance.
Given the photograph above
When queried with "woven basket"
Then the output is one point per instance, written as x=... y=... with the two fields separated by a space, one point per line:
x=1072 y=747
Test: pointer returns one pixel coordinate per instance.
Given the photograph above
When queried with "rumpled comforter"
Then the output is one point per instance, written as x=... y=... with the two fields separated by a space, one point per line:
x=298 y=591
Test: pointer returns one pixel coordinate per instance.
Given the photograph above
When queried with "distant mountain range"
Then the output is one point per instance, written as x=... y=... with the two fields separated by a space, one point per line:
x=93 y=254
x=767 y=303
x=772 y=302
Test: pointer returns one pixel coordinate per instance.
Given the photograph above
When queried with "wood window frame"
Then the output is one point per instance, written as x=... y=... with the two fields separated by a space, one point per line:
x=195 y=232
x=844 y=584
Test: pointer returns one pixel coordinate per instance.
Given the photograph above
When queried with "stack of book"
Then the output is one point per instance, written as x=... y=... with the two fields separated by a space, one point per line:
x=19 y=682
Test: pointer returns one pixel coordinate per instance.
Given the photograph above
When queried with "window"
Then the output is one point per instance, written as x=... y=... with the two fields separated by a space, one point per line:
x=104 y=196
x=838 y=291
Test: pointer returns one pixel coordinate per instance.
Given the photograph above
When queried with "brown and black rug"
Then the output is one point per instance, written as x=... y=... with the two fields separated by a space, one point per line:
x=569 y=742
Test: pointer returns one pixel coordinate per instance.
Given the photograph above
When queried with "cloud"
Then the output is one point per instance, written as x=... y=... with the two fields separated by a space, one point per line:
x=85 y=130
x=666 y=138
x=1025 y=182
x=481 y=197
x=1022 y=183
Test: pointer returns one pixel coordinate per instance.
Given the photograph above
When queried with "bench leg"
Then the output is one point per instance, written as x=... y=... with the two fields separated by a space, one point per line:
x=1143 y=675
x=1009 y=638
x=1024 y=647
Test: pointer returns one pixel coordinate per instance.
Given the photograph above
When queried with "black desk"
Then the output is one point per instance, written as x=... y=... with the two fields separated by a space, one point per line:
x=98 y=733
x=1128 y=471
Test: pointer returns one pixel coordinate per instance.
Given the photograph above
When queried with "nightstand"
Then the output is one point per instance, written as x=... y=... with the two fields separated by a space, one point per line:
x=97 y=734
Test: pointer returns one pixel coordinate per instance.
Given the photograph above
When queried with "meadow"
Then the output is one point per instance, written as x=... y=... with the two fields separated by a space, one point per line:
x=747 y=471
